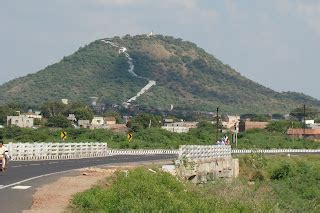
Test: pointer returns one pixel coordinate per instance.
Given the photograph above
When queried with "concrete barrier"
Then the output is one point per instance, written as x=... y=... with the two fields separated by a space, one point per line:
x=60 y=151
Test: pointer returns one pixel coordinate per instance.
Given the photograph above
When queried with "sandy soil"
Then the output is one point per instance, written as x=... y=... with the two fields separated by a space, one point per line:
x=56 y=196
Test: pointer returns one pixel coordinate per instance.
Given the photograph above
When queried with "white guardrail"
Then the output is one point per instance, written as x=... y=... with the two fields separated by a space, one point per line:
x=54 y=151
x=204 y=151
x=274 y=151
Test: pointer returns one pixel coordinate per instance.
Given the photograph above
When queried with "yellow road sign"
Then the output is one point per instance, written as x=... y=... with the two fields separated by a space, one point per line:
x=130 y=136
x=63 y=135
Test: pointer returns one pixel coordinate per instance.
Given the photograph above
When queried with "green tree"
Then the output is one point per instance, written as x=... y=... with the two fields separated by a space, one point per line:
x=83 y=113
x=282 y=126
x=143 y=121
x=58 y=121
x=5 y=111
x=55 y=108
x=115 y=114
x=310 y=113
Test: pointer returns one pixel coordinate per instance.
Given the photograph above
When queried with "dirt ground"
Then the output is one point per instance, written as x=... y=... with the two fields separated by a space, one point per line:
x=56 y=196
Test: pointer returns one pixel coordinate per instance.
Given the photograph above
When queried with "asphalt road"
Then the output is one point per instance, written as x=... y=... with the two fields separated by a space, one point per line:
x=37 y=173
x=23 y=170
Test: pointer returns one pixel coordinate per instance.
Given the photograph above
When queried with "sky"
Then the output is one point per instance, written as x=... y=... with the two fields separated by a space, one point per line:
x=273 y=42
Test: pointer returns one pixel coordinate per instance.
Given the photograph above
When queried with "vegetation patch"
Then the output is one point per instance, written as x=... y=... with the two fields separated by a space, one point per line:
x=275 y=184
x=145 y=191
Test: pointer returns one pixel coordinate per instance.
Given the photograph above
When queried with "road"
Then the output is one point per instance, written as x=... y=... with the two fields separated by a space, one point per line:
x=18 y=184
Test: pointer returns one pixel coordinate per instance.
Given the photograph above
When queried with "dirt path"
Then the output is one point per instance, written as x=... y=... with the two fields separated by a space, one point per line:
x=56 y=196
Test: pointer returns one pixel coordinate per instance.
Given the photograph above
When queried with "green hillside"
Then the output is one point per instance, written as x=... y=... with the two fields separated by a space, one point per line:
x=187 y=77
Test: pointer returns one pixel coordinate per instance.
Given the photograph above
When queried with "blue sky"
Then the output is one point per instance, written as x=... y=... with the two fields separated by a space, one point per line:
x=273 y=42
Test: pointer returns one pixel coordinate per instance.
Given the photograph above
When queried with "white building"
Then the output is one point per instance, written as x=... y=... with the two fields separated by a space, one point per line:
x=309 y=122
x=72 y=118
x=110 y=120
x=98 y=123
x=230 y=121
x=35 y=115
x=22 y=121
x=84 y=124
x=179 y=127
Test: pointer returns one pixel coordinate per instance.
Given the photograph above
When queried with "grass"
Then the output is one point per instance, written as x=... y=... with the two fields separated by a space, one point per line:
x=265 y=184
x=272 y=140
x=144 y=191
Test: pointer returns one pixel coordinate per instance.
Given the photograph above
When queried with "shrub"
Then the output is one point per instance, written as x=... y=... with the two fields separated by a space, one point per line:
x=281 y=173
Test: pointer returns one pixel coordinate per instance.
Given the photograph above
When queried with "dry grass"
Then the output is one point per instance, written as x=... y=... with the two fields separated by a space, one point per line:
x=156 y=50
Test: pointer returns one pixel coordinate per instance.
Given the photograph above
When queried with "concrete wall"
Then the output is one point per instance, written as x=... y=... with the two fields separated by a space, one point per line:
x=199 y=163
x=246 y=125
x=204 y=170
x=20 y=121
x=178 y=129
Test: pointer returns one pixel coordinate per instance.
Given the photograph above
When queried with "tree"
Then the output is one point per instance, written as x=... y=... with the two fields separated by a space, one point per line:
x=7 y=111
x=115 y=114
x=83 y=113
x=143 y=121
x=58 y=121
x=310 y=113
x=282 y=126
x=49 y=109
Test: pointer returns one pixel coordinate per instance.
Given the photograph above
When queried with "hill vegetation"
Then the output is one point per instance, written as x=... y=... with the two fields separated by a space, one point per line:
x=187 y=77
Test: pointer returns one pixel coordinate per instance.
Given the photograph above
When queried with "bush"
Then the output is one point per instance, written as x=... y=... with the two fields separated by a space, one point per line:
x=59 y=121
x=281 y=173
x=283 y=126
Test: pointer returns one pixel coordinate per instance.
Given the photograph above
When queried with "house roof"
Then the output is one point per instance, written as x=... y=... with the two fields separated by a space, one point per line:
x=303 y=131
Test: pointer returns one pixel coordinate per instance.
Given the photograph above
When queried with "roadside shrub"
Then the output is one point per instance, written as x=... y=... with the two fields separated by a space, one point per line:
x=282 y=126
x=281 y=172
x=145 y=191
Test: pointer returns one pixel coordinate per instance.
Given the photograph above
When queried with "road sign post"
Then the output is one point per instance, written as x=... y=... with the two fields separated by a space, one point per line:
x=130 y=136
x=63 y=135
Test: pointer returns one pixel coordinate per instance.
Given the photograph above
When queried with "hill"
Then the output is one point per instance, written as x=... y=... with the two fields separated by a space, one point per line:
x=186 y=77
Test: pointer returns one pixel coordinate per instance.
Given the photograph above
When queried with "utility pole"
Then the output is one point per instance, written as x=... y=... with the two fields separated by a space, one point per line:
x=304 y=119
x=217 y=123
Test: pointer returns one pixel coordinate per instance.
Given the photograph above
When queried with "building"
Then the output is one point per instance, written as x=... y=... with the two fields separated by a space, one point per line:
x=179 y=127
x=314 y=126
x=245 y=125
x=84 y=124
x=35 y=115
x=22 y=121
x=72 y=118
x=110 y=120
x=168 y=120
x=230 y=121
x=309 y=122
x=65 y=101
x=98 y=123
x=118 y=128
x=304 y=133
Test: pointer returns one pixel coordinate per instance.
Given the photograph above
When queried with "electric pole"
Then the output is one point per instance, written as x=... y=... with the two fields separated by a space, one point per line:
x=217 y=123
x=304 y=119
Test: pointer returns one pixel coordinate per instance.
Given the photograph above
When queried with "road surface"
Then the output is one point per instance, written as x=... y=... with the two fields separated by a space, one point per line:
x=19 y=183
